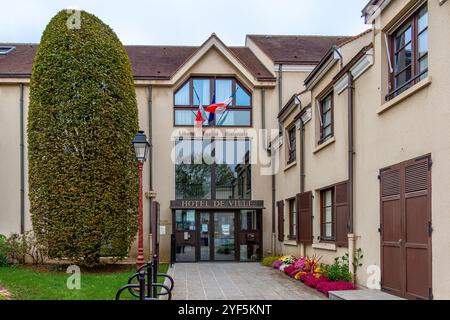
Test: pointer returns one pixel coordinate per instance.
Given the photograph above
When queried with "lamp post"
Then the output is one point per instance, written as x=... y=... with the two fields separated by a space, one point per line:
x=140 y=145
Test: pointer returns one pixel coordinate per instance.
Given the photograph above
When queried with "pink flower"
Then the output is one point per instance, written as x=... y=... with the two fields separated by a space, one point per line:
x=277 y=264
x=314 y=282
x=305 y=277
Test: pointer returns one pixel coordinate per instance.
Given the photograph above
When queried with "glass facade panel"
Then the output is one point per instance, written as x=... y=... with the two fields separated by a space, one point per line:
x=205 y=238
x=224 y=236
x=232 y=166
x=185 y=220
x=234 y=118
x=185 y=253
x=223 y=90
x=182 y=96
x=202 y=88
x=242 y=97
x=249 y=220
x=184 y=117
x=249 y=253
x=195 y=165
x=193 y=169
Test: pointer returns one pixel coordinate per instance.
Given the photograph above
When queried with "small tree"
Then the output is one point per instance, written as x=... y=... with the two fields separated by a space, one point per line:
x=81 y=121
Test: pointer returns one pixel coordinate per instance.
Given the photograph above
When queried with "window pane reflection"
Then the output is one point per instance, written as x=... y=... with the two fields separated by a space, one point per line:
x=193 y=170
x=232 y=169
x=234 y=118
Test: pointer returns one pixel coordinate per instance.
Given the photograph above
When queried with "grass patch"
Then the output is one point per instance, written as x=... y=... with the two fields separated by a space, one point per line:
x=28 y=283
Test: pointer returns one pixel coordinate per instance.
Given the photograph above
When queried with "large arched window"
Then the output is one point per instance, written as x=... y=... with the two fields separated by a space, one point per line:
x=201 y=90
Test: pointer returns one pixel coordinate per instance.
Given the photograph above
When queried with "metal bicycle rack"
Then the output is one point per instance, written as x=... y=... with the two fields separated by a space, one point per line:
x=147 y=284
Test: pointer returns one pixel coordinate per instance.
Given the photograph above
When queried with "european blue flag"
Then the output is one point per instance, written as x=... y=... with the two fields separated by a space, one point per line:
x=212 y=115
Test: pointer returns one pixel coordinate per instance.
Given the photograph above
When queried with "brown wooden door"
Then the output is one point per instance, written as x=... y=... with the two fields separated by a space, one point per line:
x=406 y=229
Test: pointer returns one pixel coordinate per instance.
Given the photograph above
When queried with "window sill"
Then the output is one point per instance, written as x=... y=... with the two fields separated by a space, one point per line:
x=324 y=145
x=325 y=246
x=404 y=95
x=290 y=165
x=291 y=243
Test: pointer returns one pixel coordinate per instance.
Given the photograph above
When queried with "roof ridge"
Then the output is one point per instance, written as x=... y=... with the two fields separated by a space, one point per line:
x=159 y=45
x=300 y=35
x=355 y=37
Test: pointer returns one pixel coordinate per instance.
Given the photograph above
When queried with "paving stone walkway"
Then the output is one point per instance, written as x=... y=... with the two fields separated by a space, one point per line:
x=236 y=281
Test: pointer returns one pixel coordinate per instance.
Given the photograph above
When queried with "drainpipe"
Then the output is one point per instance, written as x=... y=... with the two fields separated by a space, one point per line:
x=302 y=156
x=280 y=106
x=351 y=154
x=22 y=162
x=302 y=171
x=150 y=155
x=263 y=108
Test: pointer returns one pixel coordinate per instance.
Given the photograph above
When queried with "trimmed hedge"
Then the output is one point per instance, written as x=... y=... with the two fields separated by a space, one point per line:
x=82 y=118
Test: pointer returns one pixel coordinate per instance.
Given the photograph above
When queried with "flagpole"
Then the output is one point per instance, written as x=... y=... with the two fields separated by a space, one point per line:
x=226 y=111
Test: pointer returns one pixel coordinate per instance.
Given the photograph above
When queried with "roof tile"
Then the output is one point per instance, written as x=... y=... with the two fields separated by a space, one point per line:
x=296 y=49
x=147 y=62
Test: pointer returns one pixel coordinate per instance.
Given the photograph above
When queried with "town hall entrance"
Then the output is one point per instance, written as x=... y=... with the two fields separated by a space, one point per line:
x=203 y=235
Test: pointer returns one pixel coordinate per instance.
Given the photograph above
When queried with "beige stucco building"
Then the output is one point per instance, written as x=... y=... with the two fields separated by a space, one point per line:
x=398 y=101
x=361 y=146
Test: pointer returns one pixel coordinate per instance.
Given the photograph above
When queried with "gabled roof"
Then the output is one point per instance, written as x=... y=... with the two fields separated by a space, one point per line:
x=372 y=7
x=147 y=62
x=330 y=55
x=293 y=49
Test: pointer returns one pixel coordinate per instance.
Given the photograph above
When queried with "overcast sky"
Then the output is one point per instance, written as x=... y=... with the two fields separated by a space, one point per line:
x=189 y=22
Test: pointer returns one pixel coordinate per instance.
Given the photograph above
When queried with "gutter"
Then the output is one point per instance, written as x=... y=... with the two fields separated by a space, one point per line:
x=351 y=151
x=22 y=162
x=274 y=190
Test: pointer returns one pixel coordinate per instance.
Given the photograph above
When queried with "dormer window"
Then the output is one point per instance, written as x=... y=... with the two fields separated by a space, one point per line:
x=4 y=50
x=203 y=90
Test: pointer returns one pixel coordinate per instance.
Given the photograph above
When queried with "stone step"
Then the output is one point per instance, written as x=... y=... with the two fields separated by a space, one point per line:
x=362 y=294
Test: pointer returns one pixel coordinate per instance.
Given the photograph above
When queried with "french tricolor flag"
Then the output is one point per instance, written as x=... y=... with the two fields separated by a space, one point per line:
x=218 y=108
x=201 y=116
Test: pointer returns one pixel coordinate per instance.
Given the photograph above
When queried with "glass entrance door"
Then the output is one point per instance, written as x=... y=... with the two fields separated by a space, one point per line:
x=224 y=236
x=205 y=236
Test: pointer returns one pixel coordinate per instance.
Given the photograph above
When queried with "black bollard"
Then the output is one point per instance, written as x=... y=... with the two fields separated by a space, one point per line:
x=141 y=279
x=149 y=267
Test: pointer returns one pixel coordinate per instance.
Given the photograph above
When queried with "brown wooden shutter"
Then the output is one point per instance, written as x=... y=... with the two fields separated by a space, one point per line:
x=280 y=206
x=391 y=229
x=305 y=217
x=341 y=214
x=417 y=230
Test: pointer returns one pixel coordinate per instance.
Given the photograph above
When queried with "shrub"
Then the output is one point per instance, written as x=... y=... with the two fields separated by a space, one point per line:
x=19 y=246
x=3 y=251
x=81 y=121
x=337 y=271
x=268 y=261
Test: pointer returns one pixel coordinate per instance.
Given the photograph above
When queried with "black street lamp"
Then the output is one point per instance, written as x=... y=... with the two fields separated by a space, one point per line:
x=140 y=145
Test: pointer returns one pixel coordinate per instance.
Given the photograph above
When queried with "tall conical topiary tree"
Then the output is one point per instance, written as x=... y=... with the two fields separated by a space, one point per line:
x=82 y=118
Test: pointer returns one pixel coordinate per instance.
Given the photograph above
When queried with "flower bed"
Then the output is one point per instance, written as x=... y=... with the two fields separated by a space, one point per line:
x=313 y=274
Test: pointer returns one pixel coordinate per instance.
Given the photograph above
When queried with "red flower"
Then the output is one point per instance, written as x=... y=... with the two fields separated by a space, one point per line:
x=314 y=282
